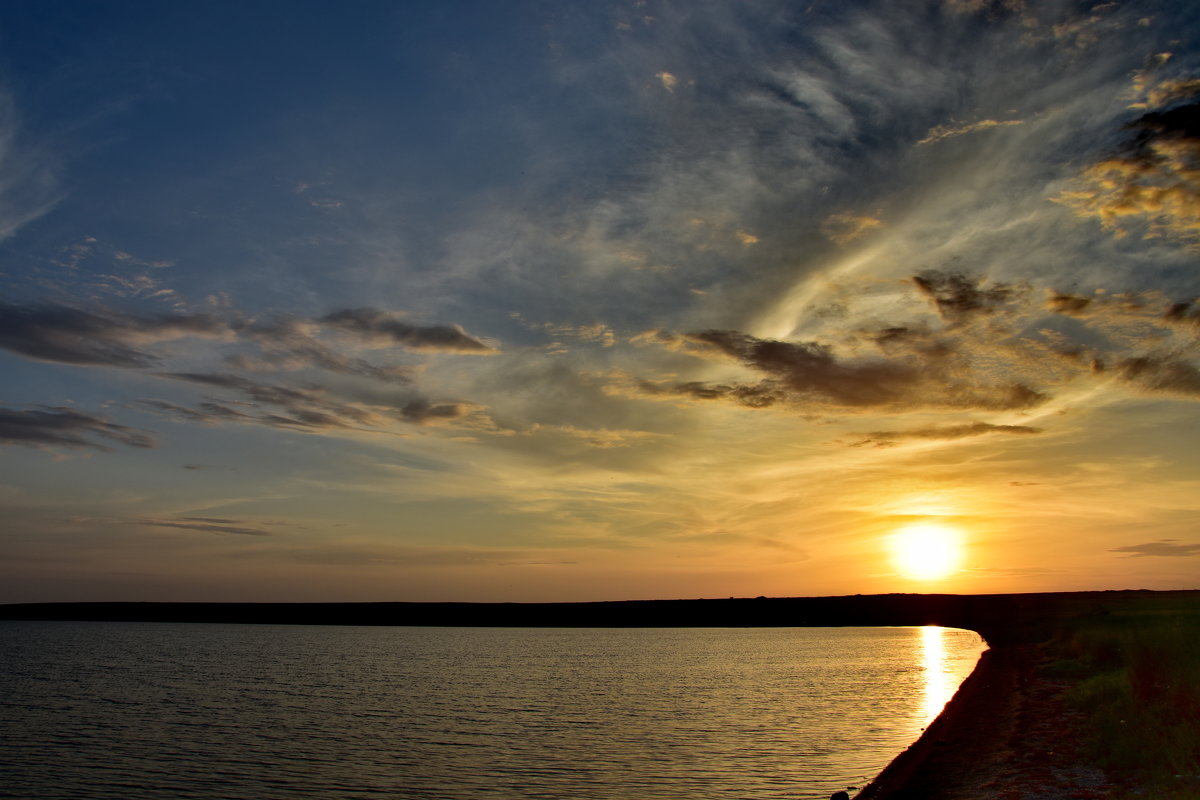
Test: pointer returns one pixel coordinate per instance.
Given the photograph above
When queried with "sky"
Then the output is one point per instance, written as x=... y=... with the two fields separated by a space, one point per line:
x=566 y=301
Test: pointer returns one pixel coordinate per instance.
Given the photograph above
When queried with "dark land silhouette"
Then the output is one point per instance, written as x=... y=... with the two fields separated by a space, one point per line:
x=999 y=618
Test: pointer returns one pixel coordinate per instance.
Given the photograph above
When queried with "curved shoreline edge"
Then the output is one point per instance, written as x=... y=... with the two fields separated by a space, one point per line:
x=953 y=751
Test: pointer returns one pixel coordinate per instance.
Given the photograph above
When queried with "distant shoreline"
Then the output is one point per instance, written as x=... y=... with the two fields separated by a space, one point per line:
x=998 y=618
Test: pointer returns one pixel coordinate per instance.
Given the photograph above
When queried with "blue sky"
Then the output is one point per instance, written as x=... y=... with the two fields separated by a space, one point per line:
x=575 y=301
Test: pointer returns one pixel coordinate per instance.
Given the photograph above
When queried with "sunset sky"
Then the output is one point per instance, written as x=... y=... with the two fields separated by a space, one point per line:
x=519 y=301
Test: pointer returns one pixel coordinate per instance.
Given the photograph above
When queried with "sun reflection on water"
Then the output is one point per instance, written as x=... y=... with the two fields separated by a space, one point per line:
x=938 y=687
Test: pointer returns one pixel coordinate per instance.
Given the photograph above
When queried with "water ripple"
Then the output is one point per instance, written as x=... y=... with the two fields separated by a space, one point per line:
x=125 y=711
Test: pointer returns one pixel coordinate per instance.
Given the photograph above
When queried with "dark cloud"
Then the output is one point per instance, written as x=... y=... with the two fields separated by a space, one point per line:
x=809 y=368
x=422 y=411
x=1161 y=374
x=958 y=296
x=102 y=337
x=1169 y=92
x=66 y=427
x=1187 y=312
x=993 y=350
x=808 y=373
x=762 y=395
x=385 y=327
x=944 y=433
x=72 y=336
x=206 y=525
x=1175 y=122
x=1068 y=304
x=898 y=334
x=1163 y=547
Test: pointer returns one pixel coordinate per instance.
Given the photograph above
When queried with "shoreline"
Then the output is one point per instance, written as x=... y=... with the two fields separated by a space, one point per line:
x=1005 y=735
x=998 y=618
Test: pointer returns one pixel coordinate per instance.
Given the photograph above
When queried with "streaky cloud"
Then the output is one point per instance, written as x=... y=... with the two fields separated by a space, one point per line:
x=940 y=132
x=944 y=433
x=73 y=336
x=287 y=344
x=1162 y=547
x=423 y=411
x=205 y=525
x=104 y=337
x=66 y=427
x=383 y=327
x=310 y=408
x=1186 y=312
x=845 y=227
x=305 y=407
x=29 y=185
x=1161 y=374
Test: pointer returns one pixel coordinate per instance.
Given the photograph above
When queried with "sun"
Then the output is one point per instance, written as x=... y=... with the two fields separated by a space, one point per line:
x=926 y=551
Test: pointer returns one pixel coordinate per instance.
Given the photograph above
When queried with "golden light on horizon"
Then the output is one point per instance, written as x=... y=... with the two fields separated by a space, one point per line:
x=926 y=551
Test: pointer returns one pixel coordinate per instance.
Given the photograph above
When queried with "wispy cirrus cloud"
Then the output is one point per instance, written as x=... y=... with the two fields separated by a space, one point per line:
x=206 y=525
x=307 y=408
x=310 y=408
x=944 y=433
x=845 y=227
x=288 y=344
x=949 y=131
x=29 y=185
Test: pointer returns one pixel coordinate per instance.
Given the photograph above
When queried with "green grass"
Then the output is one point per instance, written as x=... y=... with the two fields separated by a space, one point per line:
x=1136 y=675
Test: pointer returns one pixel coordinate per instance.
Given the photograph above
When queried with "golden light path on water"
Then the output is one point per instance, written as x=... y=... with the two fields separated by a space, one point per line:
x=938 y=687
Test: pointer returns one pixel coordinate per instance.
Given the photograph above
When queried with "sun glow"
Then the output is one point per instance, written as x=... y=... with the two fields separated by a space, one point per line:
x=926 y=551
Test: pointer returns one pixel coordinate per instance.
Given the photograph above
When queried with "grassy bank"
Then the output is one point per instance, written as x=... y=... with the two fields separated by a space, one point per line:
x=1135 y=670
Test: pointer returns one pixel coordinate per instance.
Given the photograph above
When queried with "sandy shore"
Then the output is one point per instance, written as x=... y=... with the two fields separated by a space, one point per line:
x=1006 y=735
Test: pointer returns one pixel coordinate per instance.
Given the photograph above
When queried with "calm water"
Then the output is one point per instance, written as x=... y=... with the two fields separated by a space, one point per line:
x=133 y=711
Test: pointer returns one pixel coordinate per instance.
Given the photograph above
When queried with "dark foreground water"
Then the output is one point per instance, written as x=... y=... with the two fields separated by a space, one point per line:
x=134 y=711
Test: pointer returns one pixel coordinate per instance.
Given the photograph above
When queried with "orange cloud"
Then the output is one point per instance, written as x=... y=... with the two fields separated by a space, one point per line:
x=845 y=227
x=1155 y=184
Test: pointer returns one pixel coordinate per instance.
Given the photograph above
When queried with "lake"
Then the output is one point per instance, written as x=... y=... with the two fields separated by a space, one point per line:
x=141 y=711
